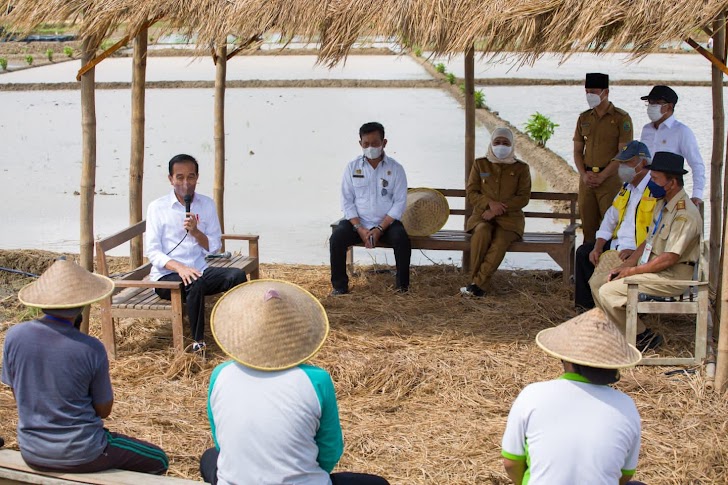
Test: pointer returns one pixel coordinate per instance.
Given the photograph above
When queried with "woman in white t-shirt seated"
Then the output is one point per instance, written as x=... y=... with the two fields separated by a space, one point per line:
x=576 y=429
x=274 y=419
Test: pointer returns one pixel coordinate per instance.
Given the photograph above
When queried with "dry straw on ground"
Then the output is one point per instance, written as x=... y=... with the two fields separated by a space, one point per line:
x=424 y=380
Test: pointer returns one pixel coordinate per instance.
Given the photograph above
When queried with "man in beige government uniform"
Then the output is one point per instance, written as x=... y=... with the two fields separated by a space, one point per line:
x=670 y=252
x=601 y=133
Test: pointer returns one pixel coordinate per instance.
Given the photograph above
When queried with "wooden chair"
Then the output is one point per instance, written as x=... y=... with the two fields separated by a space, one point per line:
x=693 y=302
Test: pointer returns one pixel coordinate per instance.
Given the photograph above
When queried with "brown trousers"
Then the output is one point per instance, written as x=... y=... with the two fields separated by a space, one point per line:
x=488 y=245
x=593 y=203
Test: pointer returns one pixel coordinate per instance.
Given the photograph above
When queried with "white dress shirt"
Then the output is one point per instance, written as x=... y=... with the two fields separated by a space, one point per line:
x=371 y=194
x=625 y=238
x=165 y=219
x=673 y=136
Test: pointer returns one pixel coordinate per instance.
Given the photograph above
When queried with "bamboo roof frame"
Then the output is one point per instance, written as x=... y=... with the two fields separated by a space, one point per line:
x=525 y=28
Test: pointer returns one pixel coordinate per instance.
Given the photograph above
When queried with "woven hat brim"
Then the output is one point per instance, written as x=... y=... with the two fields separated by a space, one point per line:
x=287 y=363
x=578 y=356
x=104 y=292
x=433 y=222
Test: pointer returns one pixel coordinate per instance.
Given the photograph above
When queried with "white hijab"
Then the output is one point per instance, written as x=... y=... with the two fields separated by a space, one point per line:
x=506 y=133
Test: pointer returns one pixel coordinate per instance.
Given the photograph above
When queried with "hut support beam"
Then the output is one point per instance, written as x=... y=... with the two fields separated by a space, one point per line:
x=720 y=64
x=721 y=375
x=136 y=162
x=88 y=163
x=469 y=130
x=219 y=133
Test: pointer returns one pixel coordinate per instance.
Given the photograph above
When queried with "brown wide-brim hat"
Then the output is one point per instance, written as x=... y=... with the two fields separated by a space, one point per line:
x=65 y=285
x=426 y=213
x=269 y=324
x=589 y=339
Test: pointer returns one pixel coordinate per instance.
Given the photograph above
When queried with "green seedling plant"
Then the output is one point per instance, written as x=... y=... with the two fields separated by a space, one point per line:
x=29 y=59
x=540 y=128
x=440 y=68
x=418 y=52
x=68 y=51
x=49 y=55
x=3 y=64
x=479 y=99
x=451 y=78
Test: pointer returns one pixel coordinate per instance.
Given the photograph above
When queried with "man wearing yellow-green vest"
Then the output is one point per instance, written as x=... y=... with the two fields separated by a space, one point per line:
x=625 y=223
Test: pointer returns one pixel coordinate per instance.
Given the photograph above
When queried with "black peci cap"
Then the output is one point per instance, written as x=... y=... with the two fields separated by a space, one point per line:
x=596 y=80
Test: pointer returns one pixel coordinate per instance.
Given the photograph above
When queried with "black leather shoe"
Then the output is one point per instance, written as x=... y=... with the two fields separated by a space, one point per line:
x=472 y=290
x=648 y=340
x=402 y=289
x=337 y=292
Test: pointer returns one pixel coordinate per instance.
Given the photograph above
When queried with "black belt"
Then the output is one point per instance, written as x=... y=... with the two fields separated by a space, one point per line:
x=594 y=169
x=690 y=263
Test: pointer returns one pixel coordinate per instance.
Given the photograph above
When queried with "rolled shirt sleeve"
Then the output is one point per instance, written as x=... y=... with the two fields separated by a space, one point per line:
x=609 y=223
x=348 y=205
x=154 y=234
x=695 y=161
x=399 y=197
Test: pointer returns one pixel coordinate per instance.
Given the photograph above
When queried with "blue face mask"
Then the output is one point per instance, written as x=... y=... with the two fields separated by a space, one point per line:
x=656 y=191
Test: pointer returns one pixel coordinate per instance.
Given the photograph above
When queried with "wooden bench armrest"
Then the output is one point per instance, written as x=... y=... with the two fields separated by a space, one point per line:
x=636 y=280
x=164 y=285
x=240 y=237
x=570 y=230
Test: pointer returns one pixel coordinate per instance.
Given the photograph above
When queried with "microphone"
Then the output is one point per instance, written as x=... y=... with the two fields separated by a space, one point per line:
x=188 y=202
x=225 y=255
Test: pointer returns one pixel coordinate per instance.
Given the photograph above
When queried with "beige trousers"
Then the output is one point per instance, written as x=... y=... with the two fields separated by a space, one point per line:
x=612 y=296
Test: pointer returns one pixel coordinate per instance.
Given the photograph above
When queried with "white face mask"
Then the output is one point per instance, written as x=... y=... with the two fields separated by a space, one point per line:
x=501 y=151
x=654 y=112
x=593 y=100
x=372 y=153
x=626 y=173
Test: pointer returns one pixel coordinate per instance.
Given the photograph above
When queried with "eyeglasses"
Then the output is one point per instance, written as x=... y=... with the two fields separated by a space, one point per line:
x=385 y=183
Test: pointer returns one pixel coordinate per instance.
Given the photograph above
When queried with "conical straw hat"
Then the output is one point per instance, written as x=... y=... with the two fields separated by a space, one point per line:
x=426 y=212
x=589 y=339
x=65 y=285
x=608 y=261
x=269 y=324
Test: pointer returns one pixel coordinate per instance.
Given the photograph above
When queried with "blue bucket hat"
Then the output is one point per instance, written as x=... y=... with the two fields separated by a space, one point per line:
x=633 y=149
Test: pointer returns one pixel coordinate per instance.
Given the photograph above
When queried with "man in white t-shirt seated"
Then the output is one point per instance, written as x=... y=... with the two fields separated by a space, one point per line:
x=576 y=429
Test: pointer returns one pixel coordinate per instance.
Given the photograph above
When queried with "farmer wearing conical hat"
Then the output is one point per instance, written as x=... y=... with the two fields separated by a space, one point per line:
x=576 y=429
x=274 y=419
x=60 y=380
x=499 y=187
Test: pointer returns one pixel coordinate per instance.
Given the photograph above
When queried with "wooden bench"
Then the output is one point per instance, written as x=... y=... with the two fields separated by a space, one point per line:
x=134 y=294
x=13 y=470
x=560 y=246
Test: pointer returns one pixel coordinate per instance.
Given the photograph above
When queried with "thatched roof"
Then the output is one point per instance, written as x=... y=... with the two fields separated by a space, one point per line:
x=443 y=26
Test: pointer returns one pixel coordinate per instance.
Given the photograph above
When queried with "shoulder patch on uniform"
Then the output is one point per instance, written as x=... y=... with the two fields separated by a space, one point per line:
x=680 y=205
x=626 y=126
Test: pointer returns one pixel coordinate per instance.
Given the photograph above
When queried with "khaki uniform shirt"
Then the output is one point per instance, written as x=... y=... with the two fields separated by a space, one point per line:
x=680 y=229
x=507 y=183
x=602 y=136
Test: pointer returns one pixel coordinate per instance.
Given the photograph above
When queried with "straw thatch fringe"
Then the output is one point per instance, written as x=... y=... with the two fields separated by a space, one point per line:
x=530 y=27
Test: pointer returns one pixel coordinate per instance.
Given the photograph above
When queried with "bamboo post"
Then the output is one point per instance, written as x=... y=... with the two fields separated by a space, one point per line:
x=88 y=163
x=136 y=162
x=469 y=132
x=219 y=134
x=716 y=161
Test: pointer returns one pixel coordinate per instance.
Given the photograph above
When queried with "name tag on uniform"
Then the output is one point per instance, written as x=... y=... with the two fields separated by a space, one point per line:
x=484 y=174
x=646 y=253
x=358 y=176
